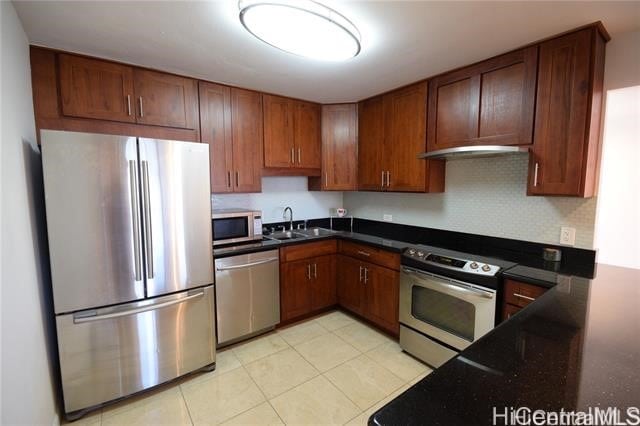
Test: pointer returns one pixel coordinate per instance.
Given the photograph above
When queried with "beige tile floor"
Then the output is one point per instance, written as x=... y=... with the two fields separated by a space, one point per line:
x=332 y=369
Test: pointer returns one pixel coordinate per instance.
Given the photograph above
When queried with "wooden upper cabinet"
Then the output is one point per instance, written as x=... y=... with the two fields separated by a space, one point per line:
x=96 y=89
x=489 y=103
x=306 y=136
x=165 y=99
x=565 y=159
x=231 y=123
x=291 y=133
x=247 y=128
x=392 y=132
x=215 y=122
x=339 y=149
x=405 y=138
x=371 y=144
x=278 y=132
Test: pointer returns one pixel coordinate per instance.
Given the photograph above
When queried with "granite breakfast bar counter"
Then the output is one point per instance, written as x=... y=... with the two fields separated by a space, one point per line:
x=576 y=347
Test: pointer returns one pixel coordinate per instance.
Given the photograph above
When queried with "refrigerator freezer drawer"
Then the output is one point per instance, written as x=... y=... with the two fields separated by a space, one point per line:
x=110 y=353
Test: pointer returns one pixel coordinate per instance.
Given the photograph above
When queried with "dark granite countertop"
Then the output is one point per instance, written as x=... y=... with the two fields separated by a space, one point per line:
x=575 y=347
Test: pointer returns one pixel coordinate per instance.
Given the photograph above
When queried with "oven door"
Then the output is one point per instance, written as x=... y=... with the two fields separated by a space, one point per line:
x=451 y=311
x=228 y=229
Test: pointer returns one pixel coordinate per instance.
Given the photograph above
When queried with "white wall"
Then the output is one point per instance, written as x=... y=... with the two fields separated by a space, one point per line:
x=280 y=192
x=617 y=229
x=27 y=390
x=484 y=196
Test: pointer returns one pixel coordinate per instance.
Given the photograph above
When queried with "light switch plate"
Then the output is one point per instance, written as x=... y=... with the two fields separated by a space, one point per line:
x=387 y=217
x=568 y=236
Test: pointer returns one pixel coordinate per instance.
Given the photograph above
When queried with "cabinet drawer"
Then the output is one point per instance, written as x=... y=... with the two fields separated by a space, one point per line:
x=521 y=294
x=509 y=310
x=371 y=254
x=307 y=250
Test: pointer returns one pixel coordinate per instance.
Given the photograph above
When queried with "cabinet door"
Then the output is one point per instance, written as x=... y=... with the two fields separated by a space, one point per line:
x=215 y=119
x=323 y=282
x=371 y=144
x=246 y=113
x=96 y=89
x=350 y=284
x=278 y=132
x=295 y=289
x=382 y=296
x=340 y=147
x=306 y=122
x=564 y=96
x=165 y=99
x=489 y=103
x=405 y=138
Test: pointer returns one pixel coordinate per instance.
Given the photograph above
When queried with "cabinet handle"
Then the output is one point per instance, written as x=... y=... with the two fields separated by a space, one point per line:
x=128 y=104
x=299 y=156
x=360 y=275
x=229 y=178
x=237 y=178
x=366 y=275
x=293 y=156
x=326 y=179
x=535 y=174
x=309 y=271
x=522 y=296
x=363 y=253
x=315 y=270
x=382 y=184
x=388 y=178
x=141 y=110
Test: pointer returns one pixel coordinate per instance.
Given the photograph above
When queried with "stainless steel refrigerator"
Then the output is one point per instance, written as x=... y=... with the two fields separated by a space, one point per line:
x=129 y=227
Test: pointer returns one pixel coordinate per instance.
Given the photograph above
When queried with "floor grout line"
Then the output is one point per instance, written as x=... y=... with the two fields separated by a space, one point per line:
x=186 y=405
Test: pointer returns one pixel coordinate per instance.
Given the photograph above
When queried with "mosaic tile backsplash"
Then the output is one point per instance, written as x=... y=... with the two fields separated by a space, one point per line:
x=484 y=196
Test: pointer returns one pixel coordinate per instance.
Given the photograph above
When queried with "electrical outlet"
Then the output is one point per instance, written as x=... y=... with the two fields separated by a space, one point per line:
x=568 y=236
x=387 y=217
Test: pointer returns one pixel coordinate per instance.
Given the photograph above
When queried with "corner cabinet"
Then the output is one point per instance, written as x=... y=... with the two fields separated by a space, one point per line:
x=566 y=152
x=232 y=126
x=489 y=103
x=392 y=132
x=291 y=136
x=339 y=149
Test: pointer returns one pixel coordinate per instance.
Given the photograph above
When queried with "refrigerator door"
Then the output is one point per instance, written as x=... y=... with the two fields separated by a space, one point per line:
x=113 y=352
x=176 y=201
x=93 y=219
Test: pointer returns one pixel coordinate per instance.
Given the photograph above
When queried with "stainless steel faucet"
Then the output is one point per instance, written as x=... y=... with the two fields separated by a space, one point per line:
x=284 y=216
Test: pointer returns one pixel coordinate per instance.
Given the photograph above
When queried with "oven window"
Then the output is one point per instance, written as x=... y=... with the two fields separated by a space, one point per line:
x=229 y=228
x=448 y=313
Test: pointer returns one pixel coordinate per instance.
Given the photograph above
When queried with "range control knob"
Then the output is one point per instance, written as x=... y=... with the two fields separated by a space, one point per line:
x=412 y=252
x=486 y=268
x=473 y=265
x=420 y=254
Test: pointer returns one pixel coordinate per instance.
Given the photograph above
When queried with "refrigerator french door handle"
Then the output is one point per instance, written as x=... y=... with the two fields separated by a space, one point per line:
x=135 y=218
x=147 y=219
x=81 y=317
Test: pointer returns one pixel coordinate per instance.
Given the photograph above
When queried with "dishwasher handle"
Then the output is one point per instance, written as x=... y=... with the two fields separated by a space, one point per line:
x=246 y=265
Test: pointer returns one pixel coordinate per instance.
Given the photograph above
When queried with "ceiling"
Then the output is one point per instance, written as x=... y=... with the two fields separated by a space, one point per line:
x=402 y=41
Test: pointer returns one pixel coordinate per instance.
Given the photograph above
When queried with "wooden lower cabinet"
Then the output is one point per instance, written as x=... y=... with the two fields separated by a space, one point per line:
x=370 y=291
x=518 y=295
x=351 y=294
x=306 y=286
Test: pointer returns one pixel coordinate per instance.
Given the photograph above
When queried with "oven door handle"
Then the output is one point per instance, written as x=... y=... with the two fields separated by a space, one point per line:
x=449 y=284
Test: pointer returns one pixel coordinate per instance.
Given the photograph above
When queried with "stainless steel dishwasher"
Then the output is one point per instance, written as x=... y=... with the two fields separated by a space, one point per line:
x=247 y=295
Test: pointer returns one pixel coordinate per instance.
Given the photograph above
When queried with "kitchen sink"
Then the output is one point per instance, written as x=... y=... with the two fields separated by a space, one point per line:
x=315 y=232
x=286 y=235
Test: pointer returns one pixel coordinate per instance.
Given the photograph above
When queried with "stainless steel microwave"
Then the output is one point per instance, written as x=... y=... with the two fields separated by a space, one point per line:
x=236 y=226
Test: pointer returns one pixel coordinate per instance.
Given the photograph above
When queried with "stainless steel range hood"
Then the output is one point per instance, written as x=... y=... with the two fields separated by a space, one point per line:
x=474 y=151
